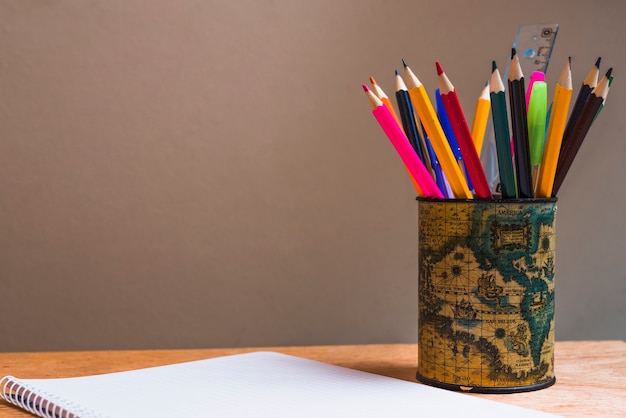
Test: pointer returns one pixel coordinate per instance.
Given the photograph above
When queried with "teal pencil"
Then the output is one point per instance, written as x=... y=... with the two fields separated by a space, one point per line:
x=602 y=105
x=502 y=134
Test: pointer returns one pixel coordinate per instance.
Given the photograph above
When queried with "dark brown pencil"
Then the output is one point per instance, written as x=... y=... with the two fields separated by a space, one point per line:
x=519 y=125
x=589 y=83
x=580 y=130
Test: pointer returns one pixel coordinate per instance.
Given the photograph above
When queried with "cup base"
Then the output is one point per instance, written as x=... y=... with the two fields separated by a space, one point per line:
x=480 y=389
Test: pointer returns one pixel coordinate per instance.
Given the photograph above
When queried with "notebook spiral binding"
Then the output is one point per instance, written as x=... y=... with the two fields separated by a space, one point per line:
x=39 y=403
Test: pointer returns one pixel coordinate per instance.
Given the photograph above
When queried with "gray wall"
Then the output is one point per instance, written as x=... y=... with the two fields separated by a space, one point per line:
x=206 y=174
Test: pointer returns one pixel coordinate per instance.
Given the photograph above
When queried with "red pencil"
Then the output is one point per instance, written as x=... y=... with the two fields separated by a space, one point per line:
x=463 y=135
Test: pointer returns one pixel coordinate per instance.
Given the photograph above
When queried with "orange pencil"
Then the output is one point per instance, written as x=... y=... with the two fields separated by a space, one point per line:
x=379 y=92
x=481 y=118
x=438 y=140
x=556 y=127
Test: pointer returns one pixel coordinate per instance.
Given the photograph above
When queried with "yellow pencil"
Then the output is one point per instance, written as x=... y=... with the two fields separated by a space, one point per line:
x=440 y=144
x=481 y=117
x=556 y=127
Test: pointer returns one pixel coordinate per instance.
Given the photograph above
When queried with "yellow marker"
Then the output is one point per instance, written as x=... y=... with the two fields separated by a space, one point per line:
x=440 y=144
x=481 y=117
x=556 y=127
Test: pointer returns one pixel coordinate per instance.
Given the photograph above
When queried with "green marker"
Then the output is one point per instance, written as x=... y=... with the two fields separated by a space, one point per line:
x=537 y=109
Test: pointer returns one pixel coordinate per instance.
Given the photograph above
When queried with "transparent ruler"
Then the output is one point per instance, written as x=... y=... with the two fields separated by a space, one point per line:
x=533 y=44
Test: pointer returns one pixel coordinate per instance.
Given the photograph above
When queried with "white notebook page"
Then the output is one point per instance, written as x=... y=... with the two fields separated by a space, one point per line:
x=264 y=384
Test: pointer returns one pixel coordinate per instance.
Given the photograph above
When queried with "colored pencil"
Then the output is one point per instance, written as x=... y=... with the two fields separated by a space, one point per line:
x=446 y=125
x=556 y=126
x=481 y=118
x=428 y=117
x=425 y=182
x=604 y=102
x=463 y=135
x=421 y=134
x=405 y=108
x=380 y=93
x=589 y=83
x=580 y=130
x=444 y=120
x=502 y=134
x=440 y=178
x=422 y=140
x=519 y=124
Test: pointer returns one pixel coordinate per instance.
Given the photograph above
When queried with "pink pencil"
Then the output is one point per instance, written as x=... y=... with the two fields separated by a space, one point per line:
x=424 y=181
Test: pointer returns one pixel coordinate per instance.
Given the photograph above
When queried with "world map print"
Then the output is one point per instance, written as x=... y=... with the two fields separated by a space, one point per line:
x=486 y=294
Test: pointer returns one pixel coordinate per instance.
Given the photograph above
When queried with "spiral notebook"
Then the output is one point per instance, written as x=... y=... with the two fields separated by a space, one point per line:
x=258 y=384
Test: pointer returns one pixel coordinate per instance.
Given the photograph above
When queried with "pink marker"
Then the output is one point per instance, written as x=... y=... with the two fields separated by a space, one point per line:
x=535 y=76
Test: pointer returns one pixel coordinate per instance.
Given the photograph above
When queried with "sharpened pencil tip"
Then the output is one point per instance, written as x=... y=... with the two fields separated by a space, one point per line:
x=397 y=73
x=609 y=72
x=365 y=88
x=569 y=60
x=372 y=80
x=598 y=62
x=404 y=63
x=439 y=69
x=493 y=66
x=513 y=52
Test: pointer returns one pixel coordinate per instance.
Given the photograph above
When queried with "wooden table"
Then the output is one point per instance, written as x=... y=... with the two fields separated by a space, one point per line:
x=591 y=375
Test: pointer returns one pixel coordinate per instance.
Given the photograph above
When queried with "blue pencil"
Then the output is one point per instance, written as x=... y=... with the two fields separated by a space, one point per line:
x=447 y=129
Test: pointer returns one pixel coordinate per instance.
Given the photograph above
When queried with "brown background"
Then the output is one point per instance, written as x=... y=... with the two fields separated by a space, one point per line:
x=206 y=174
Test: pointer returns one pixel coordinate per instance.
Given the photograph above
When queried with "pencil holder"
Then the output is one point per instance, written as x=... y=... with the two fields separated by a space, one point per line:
x=486 y=294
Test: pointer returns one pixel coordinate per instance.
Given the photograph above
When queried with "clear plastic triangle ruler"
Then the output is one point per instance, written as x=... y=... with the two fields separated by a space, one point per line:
x=534 y=44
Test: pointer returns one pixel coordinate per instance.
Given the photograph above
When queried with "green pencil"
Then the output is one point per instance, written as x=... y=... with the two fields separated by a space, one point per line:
x=502 y=134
